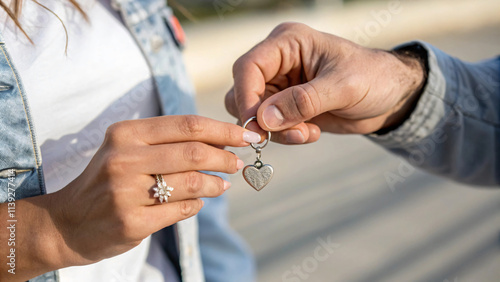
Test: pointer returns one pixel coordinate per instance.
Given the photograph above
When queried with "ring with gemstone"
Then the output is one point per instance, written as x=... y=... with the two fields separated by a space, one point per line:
x=162 y=190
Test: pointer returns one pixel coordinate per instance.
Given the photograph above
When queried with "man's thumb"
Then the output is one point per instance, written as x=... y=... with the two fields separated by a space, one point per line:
x=289 y=107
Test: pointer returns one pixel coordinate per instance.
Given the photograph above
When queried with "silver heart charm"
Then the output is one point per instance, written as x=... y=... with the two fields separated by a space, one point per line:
x=258 y=175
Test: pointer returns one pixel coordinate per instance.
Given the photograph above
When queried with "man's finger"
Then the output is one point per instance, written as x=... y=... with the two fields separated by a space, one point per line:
x=301 y=133
x=299 y=103
x=258 y=66
x=230 y=103
x=249 y=84
x=335 y=124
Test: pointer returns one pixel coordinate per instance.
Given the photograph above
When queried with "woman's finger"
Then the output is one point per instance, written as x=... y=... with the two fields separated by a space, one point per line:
x=187 y=185
x=186 y=156
x=157 y=217
x=174 y=129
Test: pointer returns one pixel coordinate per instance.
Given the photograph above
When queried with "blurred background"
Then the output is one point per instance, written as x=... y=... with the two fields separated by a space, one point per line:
x=332 y=198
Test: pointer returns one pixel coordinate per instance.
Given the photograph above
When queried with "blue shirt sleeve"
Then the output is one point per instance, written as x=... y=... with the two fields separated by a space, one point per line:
x=454 y=130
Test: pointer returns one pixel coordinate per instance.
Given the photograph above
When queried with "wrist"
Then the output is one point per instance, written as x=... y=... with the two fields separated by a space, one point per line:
x=39 y=241
x=51 y=243
x=413 y=81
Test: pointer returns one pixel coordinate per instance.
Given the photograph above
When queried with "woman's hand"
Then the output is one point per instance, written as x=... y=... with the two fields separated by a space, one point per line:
x=299 y=82
x=110 y=207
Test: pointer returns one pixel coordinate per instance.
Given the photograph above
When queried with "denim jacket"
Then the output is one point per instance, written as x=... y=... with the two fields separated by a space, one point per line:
x=454 y=130
x=21 y=164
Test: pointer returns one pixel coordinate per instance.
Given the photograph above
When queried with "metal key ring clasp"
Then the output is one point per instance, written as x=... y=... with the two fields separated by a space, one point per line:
x=265 y=141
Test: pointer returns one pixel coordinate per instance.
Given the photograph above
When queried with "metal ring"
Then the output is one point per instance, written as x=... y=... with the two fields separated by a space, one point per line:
x=265 y=141
x=162 y=190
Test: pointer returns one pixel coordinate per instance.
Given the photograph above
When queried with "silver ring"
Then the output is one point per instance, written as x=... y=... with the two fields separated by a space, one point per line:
x=162 y=190
x=265 y=141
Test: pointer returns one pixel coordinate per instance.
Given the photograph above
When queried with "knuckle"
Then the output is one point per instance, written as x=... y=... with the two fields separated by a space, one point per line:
x=240 y=63
x=354 y=89
x=231 y=163
x=185 y=208
x=286 y=26
x=220 y=186
x=194 y=182
x=119 y=131
x=194 y=153
x=115 y=162
x=191 y=126
x=124 y=225
x=114 y=193
x=116 y=128
x=113 y=131
x=230 y=103
x=229 y=133
x=351 y=85
x=304 y=101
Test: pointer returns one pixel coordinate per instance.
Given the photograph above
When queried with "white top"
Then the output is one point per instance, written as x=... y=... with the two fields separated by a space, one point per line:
x=104 y=78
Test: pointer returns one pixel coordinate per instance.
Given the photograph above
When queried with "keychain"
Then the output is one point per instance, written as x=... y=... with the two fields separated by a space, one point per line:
x=258 y=175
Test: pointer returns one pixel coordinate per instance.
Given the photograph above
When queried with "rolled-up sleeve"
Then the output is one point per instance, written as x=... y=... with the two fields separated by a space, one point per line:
x=454 y=130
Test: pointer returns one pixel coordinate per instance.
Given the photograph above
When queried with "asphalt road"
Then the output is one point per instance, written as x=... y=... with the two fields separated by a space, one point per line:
x=329 y=214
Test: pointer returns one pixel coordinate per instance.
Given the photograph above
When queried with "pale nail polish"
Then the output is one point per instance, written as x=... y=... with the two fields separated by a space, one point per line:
x=251 y=137
x=227 y=184
x=295 y=136
x=240 y=164
x=272 y=117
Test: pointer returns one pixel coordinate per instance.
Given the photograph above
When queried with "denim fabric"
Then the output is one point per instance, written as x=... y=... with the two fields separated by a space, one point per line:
x=455 y=129
x=225 y=256
x=19 y=153
x=148 y=22
x=19 y=150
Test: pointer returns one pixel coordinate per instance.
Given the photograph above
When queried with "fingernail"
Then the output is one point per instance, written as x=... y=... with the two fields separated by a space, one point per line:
x=272 y=117
x=227 y=184
x=240 y=164
x=251 y=137
x=295 y=136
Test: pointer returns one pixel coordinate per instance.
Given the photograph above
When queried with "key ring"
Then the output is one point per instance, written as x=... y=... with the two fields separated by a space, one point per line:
x=264 y=142
x=259 y=174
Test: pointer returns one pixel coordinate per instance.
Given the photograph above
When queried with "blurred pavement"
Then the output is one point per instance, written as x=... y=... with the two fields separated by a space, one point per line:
x=334 y=191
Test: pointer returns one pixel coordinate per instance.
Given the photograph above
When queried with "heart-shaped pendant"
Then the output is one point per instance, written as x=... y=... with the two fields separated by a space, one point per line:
x=258 y=175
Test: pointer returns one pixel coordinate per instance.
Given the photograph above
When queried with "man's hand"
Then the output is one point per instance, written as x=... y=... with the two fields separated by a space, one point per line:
x=299 y=82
